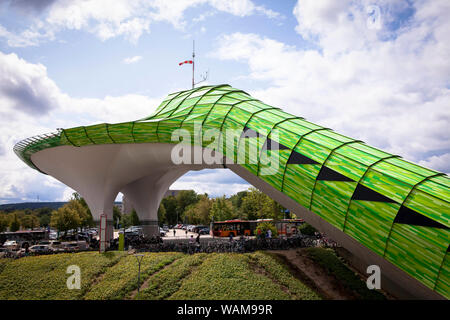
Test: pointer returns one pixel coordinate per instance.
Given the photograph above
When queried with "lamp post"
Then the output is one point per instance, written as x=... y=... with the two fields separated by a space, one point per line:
x=139 y=258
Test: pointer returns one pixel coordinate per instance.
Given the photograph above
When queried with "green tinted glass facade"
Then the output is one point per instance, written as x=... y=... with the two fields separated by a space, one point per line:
x=397 y=209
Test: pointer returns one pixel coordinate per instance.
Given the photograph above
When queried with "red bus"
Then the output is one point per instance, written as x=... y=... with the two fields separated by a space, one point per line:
x=285 y=227
x=236 y=227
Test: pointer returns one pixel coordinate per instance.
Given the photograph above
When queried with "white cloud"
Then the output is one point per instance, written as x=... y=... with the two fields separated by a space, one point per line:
x=390 y=92
x=440 y=163
x=25 y=87
x=31 y=104
x=214 y=182
x=131 y=60
x=108 y=19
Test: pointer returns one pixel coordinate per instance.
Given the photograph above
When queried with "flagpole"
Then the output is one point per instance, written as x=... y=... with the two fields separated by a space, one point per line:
x=193 y=62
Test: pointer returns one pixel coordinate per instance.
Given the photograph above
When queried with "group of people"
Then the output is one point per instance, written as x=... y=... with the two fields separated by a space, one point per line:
x=264 y=235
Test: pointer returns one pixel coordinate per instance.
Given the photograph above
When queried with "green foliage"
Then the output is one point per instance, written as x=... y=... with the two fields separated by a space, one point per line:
x=236 y=200
x=257 y=205
x=199 y=213
x=65 y=218
x=228 y=276
x=15 y=224
x=166 y=282
x=264 y=226
x=117 y=215
x=307 y=229
x=44 y=277
x=222 y=209
x=4 y=222
x=281 y=274
x=113 y=275
x=161 y=214
x=130 y=219
x=170 y=205
x=117 y=282
x=328 y=259
x=184 y=199
x=29 y=221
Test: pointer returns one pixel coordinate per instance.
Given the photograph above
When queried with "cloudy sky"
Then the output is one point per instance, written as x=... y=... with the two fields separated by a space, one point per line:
x=374 y=70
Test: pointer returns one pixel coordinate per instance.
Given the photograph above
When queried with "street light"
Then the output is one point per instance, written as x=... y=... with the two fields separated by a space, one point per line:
x=139 y=258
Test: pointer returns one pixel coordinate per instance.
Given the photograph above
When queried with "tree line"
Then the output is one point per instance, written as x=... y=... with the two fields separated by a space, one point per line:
x=186 y=207
x=192 y=208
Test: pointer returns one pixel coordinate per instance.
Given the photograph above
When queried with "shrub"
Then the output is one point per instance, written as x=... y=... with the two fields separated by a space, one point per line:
x=282 y=275
x=328 y=259
x=228 y=276
x=307 y=229
x=121 y=279
x=264 y=226
x=44 y=277
x=166 y=282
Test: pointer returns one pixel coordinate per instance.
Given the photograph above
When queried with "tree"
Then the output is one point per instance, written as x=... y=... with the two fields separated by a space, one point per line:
x=15 y=224
x=80 y=206
x=29 y=221
x=161 y=214
x=170 y=205
x=4 y=222
x=86 y=219
x=184 y=199
x=257 y=205
x=222 y=209
x=236 y=200
x=117 y=215
x=43 y=215
x=65 y=219
x=199 y=213
x=264 y=226
x=130 y=219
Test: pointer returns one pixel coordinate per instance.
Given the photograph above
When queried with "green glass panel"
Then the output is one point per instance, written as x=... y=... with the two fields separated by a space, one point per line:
x=369 y=222
x=121 y=132
x=145 y=132
x=299 y=182
x=77 y=136
x=418 y=250
x=331 y=200
x=98 y=134
x=443 y=282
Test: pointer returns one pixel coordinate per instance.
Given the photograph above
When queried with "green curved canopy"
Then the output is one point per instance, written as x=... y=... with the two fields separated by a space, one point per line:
x=397 y=209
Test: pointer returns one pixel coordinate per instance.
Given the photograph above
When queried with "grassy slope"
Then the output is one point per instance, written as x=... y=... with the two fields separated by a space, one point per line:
x=328 y=259
x=121 y=279
x=44 y=277
x=112 y=275
x=230 y=276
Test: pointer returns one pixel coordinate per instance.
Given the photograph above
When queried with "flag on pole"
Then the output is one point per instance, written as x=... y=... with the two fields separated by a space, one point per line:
x=187 y=61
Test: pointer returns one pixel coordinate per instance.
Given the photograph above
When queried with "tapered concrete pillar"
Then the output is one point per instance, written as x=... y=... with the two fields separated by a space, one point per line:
x=145 y=195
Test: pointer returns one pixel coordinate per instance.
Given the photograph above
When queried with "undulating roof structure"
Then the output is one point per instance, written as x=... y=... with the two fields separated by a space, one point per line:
x=398 y=210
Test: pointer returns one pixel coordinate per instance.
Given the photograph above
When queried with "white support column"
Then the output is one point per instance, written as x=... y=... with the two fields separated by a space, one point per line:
x=146 y=194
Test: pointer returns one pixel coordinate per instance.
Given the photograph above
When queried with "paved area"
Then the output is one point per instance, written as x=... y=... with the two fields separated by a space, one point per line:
x=181 y=234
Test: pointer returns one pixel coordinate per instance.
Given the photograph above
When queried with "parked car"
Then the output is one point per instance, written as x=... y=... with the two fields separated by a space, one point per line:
x=12 y=245
x=54 y=244
x=162 y=233
x=70 y=246
x=40 y=248
x=166 y=228
x=197 y=228
x=203 y=231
